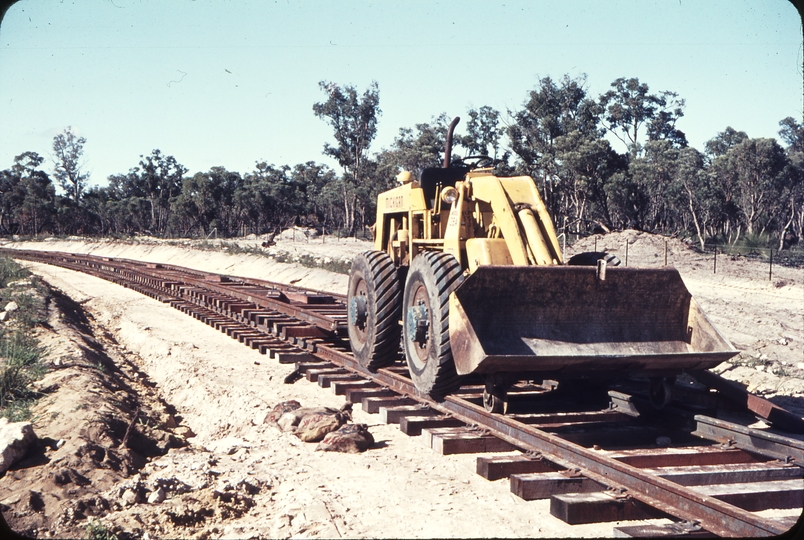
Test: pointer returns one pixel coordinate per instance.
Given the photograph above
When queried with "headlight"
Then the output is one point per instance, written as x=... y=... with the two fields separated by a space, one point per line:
x=449 y=195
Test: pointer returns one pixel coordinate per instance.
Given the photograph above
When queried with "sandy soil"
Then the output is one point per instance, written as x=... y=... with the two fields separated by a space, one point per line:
x=203 y=399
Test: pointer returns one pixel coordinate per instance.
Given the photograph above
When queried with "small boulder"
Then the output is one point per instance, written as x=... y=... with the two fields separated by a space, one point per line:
x=313 y=427
x=35 y=501
x=280 y=409
x=168 y=420
x=157 y=496
x=3 y=316
x=349 y=438
x=129 y=497
x=290 y=419
x=184 y=432
x=11 y=306
x=16 y=439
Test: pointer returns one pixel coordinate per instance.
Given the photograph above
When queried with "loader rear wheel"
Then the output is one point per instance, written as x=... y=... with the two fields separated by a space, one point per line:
x=661 y=391
x=494 y=400
x=374 y=302
x=425 y=325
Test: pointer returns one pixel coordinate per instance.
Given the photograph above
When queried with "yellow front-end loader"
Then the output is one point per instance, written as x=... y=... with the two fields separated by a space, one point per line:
x=468 y=271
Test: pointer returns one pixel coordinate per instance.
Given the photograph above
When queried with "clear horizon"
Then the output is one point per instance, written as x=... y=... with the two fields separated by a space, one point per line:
x=216 y=83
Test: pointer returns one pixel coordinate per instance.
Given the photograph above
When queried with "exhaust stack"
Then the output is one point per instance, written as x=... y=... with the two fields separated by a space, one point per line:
x=448 y=145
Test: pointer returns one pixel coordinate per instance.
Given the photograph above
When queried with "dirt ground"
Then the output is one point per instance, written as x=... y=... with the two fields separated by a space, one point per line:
x=201 y=463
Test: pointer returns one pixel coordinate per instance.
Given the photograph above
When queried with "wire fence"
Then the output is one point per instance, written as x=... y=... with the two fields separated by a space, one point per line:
x=297 y=234
x=651 y=251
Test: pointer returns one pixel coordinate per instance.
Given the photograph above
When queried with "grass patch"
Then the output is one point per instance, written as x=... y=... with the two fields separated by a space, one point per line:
x=339 y=266
x=31 y=307
x=20 y=365
x=95 y=530
x=10 y=271
x=20 y=351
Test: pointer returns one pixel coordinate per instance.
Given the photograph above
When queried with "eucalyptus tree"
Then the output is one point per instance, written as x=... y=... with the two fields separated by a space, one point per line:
x=792 y=200
x=724 y=141
x=8 y=182
x=559 y=142
x=353 y=118
x=146 y=192
x=755 y=168
x=634 y=116
x=196 y=206
x=264 y=198
x=415 y=149
x=313 y=185
x=484 y=134
x=102 y=211
x=68 y=150
x=703 y=197
x=28 y=196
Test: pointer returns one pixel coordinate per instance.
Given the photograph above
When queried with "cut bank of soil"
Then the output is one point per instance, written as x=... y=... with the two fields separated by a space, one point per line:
x=93 y=396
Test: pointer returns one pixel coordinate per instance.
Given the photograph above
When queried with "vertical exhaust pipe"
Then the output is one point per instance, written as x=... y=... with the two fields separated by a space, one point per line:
x=448 y=145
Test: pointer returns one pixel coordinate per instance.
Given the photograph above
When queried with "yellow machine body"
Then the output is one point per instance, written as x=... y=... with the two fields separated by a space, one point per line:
x=519 y=308
x=481 y=227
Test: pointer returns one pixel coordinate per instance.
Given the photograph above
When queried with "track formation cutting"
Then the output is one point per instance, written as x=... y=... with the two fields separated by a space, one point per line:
x=601 y=453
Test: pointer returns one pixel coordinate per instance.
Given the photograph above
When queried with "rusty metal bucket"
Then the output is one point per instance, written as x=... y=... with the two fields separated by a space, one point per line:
x=567 y=321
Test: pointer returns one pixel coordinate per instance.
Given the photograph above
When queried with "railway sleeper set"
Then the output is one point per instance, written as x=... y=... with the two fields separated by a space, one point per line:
x=605 y=459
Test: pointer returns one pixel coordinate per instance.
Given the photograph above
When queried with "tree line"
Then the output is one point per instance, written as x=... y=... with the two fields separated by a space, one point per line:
x=561 y=136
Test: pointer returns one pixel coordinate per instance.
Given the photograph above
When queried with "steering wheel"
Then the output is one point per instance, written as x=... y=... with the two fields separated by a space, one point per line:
x=481 y=161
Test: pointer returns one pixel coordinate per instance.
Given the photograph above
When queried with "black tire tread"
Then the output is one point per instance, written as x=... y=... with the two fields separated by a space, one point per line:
x=381 y=278
x=448 y=275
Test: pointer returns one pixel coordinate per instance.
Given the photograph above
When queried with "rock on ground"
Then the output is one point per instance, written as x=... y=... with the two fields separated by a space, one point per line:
x=16 y=438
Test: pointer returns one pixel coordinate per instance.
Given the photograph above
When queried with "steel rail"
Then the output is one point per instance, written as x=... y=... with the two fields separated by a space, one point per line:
x=200 y=280
x=665 y=495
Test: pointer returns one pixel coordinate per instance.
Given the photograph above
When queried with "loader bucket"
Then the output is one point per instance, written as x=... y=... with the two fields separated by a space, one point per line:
x=566 y=321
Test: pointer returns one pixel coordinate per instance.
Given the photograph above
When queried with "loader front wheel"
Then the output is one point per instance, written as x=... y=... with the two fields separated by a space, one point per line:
x=425 y=322
x=374 y=303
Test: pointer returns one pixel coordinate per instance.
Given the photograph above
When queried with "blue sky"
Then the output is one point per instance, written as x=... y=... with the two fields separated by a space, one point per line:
x=229 y=83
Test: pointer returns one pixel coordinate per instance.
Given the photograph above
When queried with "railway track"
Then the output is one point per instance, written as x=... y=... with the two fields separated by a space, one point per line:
x=606 y=456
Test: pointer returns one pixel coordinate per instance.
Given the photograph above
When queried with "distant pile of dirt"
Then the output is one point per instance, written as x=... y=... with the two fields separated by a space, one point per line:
x=644 y=249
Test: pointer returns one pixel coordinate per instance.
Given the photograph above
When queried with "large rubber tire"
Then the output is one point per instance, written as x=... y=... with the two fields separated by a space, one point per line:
x=590 y=258
x=432 y=276
x=375 y=303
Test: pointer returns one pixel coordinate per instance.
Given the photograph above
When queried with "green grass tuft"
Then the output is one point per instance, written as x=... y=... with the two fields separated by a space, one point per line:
x=20 y=356
x=11 y=271
x=95 y=530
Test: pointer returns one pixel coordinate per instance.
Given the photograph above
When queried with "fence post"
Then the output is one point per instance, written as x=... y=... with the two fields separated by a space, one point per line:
x=714 y=265
x=626 y=253
x=665 y=251
x=770 y=269
x=595 y=243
